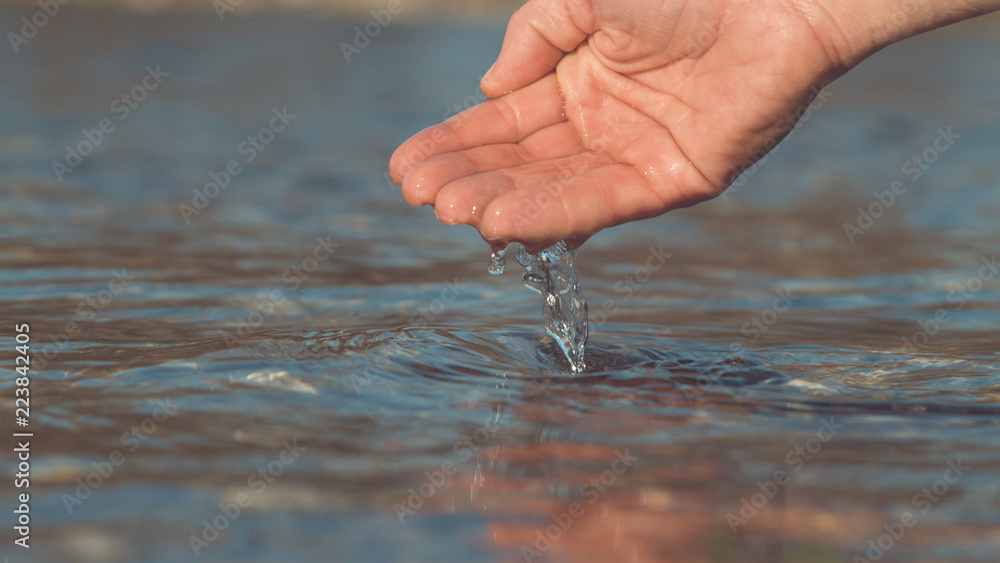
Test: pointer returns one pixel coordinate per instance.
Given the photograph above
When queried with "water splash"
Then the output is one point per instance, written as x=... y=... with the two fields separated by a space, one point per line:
x=552 y=273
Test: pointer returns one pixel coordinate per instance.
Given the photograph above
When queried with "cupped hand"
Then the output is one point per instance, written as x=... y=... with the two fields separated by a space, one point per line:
x=608 y=111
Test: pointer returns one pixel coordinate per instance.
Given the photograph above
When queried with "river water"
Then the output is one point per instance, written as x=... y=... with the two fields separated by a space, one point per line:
x=299 y=367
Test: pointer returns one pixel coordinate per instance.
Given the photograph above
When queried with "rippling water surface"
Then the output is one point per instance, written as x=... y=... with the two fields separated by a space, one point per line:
x=302 y=368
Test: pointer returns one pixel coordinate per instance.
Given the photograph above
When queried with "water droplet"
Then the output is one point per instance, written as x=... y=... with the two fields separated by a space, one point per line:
x=498 y=261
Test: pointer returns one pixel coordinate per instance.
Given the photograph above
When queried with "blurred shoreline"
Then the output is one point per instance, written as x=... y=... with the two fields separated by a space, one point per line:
x=459 y=8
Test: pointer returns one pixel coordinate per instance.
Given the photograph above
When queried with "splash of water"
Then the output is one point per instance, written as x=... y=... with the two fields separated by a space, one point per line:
x=552 y=273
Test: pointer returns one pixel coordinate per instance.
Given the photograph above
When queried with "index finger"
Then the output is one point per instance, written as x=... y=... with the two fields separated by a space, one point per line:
x=508 y=119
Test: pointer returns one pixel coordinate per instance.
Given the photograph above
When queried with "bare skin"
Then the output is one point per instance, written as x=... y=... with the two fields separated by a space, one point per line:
x=609 y=111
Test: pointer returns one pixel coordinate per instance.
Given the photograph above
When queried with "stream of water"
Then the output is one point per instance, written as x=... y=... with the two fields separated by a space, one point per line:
x=553 y=274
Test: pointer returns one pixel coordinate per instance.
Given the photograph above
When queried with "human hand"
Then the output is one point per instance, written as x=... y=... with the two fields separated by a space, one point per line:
x=609 y=111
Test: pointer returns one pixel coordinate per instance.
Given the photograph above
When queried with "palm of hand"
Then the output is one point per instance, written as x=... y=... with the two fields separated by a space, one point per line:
x=639 y=119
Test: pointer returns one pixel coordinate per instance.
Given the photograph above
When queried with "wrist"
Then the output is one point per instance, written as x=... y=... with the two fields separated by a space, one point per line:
x=853 y=30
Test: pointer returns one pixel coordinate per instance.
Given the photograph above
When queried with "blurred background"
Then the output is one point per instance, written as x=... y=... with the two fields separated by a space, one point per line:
x=316 y=7
x=329 y=6
x=246 y=347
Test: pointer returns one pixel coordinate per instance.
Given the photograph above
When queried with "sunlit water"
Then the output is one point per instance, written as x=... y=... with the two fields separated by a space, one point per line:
x=341 y=368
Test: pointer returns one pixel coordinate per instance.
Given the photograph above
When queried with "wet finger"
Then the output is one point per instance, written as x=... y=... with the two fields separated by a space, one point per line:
x=464 y=200
x=422 y=183
x=508 y=119
x=540 y=216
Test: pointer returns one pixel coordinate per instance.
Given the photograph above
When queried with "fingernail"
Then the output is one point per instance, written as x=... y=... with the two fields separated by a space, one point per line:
x=488 y=72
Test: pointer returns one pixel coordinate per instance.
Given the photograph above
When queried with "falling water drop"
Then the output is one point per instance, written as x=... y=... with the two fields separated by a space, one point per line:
x=498 y=261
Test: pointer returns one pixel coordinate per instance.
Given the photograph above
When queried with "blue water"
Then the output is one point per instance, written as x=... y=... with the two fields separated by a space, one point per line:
x=309 y=370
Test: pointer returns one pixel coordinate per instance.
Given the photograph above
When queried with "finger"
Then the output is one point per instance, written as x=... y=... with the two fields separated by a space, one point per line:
x=508 y=119
x=555 y=141
x=422 y=183
x=538 y=35
x=538 y=217
x=464 y=200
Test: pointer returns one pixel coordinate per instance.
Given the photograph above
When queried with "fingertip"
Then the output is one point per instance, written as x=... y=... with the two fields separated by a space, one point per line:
x=491 y=85
x=531 y=218
x=450 y=214
x=423 y=183
x=402 y=162
x=419 y=148
x=396 y=176
x=489 y=89
x=496 y=244
x=415 y=189
x=496 y=224
x=465 y=200
x=487 y=80
x=396 y=170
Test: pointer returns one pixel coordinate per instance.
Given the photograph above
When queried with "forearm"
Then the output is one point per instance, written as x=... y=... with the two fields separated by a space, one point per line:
x=855 y=29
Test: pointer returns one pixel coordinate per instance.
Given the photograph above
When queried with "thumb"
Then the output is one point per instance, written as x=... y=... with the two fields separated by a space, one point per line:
x=537 y=37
